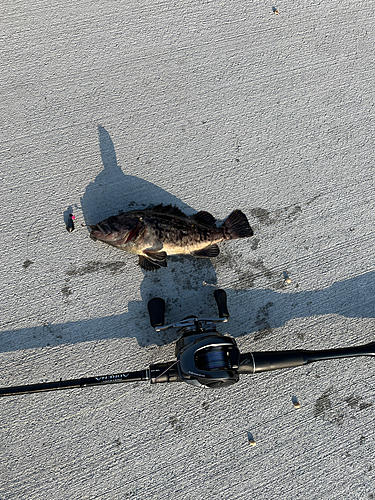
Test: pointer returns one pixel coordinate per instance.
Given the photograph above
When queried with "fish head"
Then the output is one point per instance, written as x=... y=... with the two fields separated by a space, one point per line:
x=117 y=230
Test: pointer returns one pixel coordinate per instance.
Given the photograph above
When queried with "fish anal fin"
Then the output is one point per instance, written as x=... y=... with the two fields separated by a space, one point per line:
x=210 y=251
x=204 y=218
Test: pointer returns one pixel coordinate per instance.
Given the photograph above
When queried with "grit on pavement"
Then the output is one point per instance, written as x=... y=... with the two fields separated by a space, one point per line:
x=214 y=105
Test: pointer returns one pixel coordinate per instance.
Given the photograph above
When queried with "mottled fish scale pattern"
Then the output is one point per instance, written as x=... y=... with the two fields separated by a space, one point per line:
x=177 y=233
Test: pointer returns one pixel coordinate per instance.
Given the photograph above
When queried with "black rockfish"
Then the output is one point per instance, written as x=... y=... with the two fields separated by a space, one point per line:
x=157 y=232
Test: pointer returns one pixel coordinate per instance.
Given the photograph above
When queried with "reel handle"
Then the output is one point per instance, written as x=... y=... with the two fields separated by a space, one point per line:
x=221 y=301
x=156 y=309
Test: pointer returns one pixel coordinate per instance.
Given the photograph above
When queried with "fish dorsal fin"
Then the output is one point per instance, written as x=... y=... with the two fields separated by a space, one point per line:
x=168 y=209
x=204 y=218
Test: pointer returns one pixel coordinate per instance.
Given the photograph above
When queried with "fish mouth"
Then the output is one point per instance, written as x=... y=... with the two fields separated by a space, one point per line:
x=104 y=232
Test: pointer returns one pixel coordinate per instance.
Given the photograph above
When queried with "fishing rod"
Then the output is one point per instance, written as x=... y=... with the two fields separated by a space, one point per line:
x=204 y=357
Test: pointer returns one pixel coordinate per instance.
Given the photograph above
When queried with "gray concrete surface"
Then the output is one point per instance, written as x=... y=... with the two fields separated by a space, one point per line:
x=209 y=105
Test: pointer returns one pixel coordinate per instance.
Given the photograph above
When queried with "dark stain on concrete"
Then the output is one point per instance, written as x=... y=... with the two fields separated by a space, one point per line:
x=262 y=321
x=323 y=404
x=93 y=267
x=263 y=216
x=245 y=280
x=363 y=406
x=259 y=264
x=295 y=212
x=313 y=199
x=279 y=285
x=324 y=409
x=254 y=243
x=354 y=403
x=66 y=291
x=286 y=214
x=175 y=423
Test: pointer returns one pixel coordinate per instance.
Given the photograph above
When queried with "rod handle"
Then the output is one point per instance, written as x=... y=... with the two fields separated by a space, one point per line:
x=255 y=362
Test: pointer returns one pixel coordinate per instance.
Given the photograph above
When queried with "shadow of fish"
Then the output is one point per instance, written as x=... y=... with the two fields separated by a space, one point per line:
x=157 y=232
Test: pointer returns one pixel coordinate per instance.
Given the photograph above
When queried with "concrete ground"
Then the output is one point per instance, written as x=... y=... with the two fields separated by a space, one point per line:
x=209 y=105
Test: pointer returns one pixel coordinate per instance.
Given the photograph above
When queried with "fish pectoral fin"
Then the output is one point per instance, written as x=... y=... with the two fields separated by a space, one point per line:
x=204 y=218
x=147 y=264
x=210 y=251
x=155 y=255
x=159 y=258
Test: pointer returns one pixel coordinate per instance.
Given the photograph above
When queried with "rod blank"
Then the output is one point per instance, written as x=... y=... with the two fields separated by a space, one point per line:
x=76 y=383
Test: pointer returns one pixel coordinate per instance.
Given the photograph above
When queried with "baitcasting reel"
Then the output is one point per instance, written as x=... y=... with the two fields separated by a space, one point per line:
x=205 y=357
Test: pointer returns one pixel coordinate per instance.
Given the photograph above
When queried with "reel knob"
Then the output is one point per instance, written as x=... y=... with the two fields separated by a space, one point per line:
x=156 y=309
x=221 y=301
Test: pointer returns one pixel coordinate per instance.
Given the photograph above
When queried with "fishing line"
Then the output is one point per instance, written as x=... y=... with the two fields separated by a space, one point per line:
x=165 y=371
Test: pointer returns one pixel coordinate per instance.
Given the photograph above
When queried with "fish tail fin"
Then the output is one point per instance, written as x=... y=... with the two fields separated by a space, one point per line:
x=237 y=226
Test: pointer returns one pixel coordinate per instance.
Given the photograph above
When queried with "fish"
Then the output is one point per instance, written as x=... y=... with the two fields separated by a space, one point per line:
x=163 y=230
